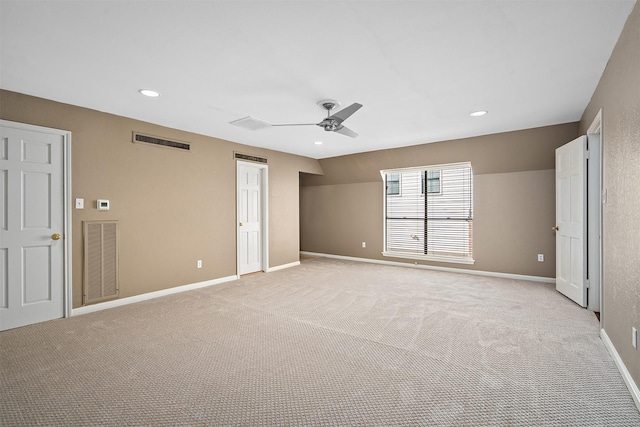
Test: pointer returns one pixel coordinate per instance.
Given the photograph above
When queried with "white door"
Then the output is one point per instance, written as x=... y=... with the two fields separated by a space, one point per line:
x=571 y=183
x=249 y=215
x=31 y=226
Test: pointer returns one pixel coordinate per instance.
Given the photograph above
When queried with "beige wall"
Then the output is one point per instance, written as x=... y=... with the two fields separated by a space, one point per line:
x=514 y=200
x=173 y=207
x=618 y=95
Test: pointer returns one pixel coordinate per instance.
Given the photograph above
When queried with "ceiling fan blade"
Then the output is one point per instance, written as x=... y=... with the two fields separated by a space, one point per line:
x=296 y=124
x=344 y=114
x=346 y=131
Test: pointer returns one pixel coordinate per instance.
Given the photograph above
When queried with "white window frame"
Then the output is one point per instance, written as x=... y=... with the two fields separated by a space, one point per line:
x=422 y=257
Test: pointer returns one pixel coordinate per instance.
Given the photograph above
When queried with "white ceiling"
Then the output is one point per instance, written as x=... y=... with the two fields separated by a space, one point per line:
x=419 y=68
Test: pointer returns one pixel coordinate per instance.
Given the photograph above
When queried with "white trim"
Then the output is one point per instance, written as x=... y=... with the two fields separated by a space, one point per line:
x=68 y=303
x=633 y=387
x=443 y=166
x=596 y=125
x=594 y=216
x=434 y=258
x=283 y=266
x=265 y=217
x=432 y=267
x=596 y=129
x=150 y=295
x=66 y=202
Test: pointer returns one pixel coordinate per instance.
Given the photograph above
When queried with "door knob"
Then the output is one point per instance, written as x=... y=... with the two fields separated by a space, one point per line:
x=56 y=236
x=240 y=224
x=555 y=228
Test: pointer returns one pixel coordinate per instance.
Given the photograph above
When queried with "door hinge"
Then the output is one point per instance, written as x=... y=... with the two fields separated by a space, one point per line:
x=587 y=154
x=587 y=284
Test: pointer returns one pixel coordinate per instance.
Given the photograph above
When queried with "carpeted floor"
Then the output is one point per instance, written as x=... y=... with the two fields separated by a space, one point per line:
x=326 y=343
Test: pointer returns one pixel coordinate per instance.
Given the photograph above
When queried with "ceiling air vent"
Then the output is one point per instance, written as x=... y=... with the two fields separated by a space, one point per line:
x=251 y=123
x=154 y=140
x=250 y=158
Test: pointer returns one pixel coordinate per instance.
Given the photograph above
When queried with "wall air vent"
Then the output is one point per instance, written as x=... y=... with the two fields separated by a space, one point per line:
x=101 y=271
x=249 y=158
x=161 y=142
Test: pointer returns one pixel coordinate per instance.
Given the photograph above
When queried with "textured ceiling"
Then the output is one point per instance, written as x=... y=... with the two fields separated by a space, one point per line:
x=419 y=68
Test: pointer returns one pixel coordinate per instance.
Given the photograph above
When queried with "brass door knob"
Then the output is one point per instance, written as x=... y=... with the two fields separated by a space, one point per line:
x=555 y=228
x=56 y=236
x=240 y=224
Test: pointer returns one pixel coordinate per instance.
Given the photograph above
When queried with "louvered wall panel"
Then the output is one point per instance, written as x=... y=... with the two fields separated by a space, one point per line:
x=160 y=142
x=100 y=261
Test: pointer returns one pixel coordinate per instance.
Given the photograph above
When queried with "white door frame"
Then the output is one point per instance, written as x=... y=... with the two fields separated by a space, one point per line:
x=594 y=231
x=66 y=192
x=264 y=220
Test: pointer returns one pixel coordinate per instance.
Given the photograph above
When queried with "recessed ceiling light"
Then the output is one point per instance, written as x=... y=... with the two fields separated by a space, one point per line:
x=150 y=93
x=318 y=142
x=478 y=113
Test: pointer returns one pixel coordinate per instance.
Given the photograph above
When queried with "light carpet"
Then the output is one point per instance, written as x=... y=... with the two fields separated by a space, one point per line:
x=327 y=343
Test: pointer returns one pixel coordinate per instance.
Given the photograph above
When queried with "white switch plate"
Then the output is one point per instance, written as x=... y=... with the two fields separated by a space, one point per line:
x=79 y=203
x=199 y=263
x=540 y=257
x=364 y=244
x=634 y=337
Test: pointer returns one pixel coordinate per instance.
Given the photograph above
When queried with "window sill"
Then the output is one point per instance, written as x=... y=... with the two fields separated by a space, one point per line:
x=434 y=258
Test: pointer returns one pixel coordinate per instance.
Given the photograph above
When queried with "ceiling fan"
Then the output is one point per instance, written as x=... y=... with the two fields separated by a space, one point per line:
x=332 y=123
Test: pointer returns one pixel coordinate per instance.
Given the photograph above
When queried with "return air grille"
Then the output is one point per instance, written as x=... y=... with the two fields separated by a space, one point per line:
x=148 y=139
x=100 y=261
x=251 y=123
x=249 y=158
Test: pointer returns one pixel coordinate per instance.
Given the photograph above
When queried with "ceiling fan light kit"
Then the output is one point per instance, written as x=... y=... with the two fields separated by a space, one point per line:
x=332 y=123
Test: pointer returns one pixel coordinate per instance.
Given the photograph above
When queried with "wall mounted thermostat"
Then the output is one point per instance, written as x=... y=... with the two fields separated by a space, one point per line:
x=103 y=205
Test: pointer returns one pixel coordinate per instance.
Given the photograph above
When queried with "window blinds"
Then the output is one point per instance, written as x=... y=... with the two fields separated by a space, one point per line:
x=436 y=224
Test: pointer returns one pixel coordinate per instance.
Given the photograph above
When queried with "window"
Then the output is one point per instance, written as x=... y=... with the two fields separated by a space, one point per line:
x=393 y=184
x=432 y=178
x=435 y=225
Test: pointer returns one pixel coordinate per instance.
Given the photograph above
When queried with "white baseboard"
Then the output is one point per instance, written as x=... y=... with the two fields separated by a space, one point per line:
x=150 y=295
x=283 y=266
x=626 y=375
x=433 y=267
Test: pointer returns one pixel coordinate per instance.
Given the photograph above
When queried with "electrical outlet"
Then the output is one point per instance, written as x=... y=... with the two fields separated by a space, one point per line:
x=634 y=337
x=364 y=244
x=540 y=257
x=199 y=264
x=79 y=203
